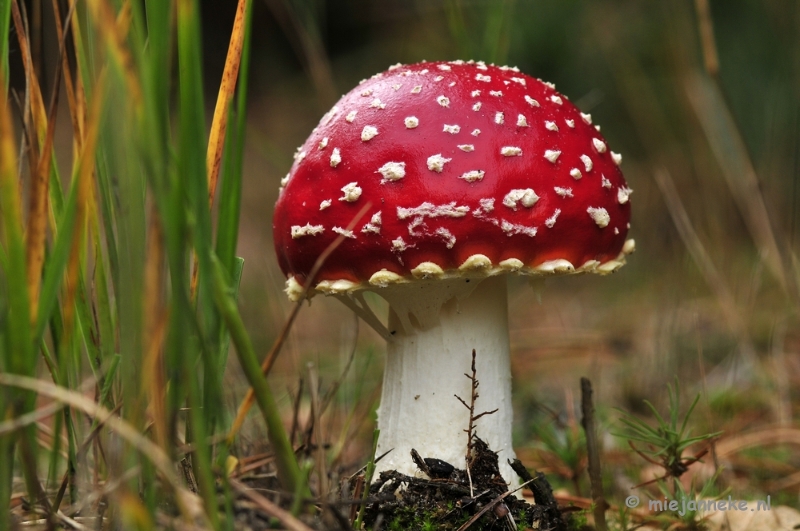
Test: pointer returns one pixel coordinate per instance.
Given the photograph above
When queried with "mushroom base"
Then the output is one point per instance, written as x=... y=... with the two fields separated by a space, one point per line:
x=426 y=367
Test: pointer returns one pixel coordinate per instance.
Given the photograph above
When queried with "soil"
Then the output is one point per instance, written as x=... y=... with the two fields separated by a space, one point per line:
x=445 y=500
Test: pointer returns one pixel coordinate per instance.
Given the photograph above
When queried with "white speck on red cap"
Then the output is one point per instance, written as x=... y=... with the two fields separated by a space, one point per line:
x=617 y=158
x=438 y=78
x=623 y=193
x=570 y=123
x=417 y=89
x=285 y=180
x=395 y=66
x=563 y=192
x=377 y=104
x=519 y=80
x=436 y=162
x=522 y=121
x=392 y=171
x=552 y=155
x=597 y=127
x=325 y=204
x=411 y=122
x=451 y=84
x=472 y=176
x=397 y=86
x=616 y=230
x=366 y=93
x=351 y=116
x=448 y=237
x=496 y=93
x=444 y=68
x=549 y=222
x=575 y=173
x=550 y=126
x=374 y=225
x=549 y=84
x=477 y=106
x=481 y=77
x=480 y=65
x=336 y=157
x=444 y=101
x=298 y=231
x=429 y=210
x=599 y=145
x=587 y=118
x=526 y=197
x=605 y=182
x=556 y=99
x=344 y=232
x=398 y=245
x=476 y=132
x=587 y=161
x=499 y=118
x=475 y=93
x=323 y=143
x=511 y=151
x=368 y=133
x=532 y=102
x=512 y=228
x=487 y=203
x=600 y=216
x=299 y=156
x=351 y=192
x=452 y=129
x=466 y=147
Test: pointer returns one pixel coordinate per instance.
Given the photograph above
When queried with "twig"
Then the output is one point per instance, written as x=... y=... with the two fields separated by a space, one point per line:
x=595 y=478
x=706 y=27
x=472 y=416
x=285 y=517
x=489 y=506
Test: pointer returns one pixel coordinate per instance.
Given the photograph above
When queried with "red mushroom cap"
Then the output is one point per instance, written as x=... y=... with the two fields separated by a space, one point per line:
x=466 y=166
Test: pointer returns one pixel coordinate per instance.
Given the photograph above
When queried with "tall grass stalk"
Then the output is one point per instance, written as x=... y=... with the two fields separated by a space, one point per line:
x=100 y=284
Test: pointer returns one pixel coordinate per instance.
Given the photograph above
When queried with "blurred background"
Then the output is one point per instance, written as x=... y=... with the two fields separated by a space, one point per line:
x=702 y=100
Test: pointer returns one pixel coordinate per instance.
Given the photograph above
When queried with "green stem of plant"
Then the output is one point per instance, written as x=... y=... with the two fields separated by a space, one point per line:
x=367 y=480
x=289 y=472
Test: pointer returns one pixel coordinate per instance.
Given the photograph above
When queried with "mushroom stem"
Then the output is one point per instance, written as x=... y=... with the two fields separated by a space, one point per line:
x=426 y=367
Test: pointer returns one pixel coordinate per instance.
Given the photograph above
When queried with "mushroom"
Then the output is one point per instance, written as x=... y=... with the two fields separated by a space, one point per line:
x=473 y=172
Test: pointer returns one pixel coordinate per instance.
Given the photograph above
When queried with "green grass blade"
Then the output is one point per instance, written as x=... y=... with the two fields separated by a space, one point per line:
x=191 y=166
x=288 y=470
x=454 y=10
x=5 y=40
x=57 y=263
x=225 y=340
x=496 y=32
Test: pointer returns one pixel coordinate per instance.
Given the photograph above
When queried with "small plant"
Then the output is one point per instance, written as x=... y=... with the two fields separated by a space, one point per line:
x=665 y=443
x=563 y=448
x=687 y=516
x=621 y=521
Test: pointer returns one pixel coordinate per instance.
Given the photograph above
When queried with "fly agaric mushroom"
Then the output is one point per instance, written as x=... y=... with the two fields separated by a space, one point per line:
x=473 y=171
